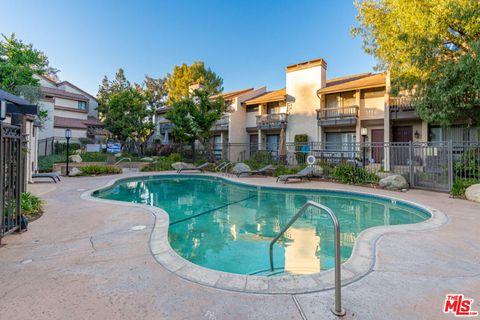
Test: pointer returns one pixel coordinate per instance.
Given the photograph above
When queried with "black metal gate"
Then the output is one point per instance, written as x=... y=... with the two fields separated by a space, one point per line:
x=11 y=178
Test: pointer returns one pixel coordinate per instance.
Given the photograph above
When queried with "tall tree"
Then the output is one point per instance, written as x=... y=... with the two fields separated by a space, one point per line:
x=154 y=91
x=128 y=110
x=193 y=117
x=19 y=62
x=177 y=84
x=129 y=117
x=423 y=44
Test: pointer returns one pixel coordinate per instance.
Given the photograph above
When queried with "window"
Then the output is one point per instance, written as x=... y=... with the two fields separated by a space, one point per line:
x=82 y=105
x=252 y=109
x=454 y=133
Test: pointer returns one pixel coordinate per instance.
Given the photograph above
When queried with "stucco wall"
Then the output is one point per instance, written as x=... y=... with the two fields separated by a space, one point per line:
x=71 y=114
x=46 y=131
x=302 y=101
x=76 y=133
x=240 y=119
x=372 y=108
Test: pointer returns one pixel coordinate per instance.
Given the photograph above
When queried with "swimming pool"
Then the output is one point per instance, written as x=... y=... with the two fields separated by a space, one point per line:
x=227 y=226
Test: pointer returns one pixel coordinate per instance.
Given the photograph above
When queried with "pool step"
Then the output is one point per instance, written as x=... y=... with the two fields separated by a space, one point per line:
x=268 y=272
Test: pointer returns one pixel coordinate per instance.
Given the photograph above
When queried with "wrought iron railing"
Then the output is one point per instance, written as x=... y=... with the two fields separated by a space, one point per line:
x=401 y=104
x=222 y=124
x=272 y=119
x=337 y=113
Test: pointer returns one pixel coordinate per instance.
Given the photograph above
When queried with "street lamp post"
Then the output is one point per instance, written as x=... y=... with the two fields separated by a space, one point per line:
x=68 y=135
x=364 y=133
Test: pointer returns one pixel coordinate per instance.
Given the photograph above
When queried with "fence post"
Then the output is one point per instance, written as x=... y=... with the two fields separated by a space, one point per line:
x=410 y=164
x=450 y=165
x=2 y=171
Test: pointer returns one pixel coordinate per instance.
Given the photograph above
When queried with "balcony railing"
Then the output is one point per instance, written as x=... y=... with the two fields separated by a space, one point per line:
x=272 y=121
x=401 y=104
x=222 y=124
x=337 y=113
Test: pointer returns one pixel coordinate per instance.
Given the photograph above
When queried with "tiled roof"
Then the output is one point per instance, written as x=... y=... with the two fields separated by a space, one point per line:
x=232 y=94
x=271 y=96
x=13 y=98
x=74 y=86
x=62 y=122
x=355 y=82
x=92 y=121
x=72 y=123
x=63 y=94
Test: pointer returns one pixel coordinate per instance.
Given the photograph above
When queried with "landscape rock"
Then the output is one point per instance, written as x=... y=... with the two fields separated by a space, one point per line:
x=74 y=172
x=75 y=158
x=317 y=170
x=473 y=193
x=394 y=182
x=181 y=165
x=148 y=159
x=241 y=167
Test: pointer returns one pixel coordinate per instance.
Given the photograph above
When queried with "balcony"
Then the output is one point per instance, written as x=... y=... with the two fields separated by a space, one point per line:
x=401 y=108
x=164 y=127
x=343 y=116
x=222 y=124
x=272 y=121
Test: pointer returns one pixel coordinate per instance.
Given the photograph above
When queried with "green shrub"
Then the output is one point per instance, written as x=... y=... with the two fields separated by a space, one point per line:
x=99 y=170
x=45 y=163
x=351 y=174
x=460 y=185
x=174 y=157
x=468 y=165
x=32 y=205
x=94 y=156
x=61 y=147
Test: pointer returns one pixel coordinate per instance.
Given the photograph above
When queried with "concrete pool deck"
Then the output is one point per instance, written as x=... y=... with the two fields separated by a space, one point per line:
x=82 y=260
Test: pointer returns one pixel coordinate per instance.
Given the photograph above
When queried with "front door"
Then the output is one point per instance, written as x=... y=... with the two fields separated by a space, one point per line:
x=253 y=144
x=272 y=144
x=400 y=152
x=377 y=145
x=402 y=134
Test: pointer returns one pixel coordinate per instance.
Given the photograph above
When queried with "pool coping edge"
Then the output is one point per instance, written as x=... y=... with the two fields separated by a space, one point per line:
x=359 y=265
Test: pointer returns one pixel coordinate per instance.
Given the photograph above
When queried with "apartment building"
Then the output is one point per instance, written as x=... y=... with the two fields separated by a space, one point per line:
x=70 y=107
x=335 y=113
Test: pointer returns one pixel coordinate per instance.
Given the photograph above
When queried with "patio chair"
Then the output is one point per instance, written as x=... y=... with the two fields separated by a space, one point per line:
x=194 y=168
x=263 y=171
x=302 y=174
x=51 y=175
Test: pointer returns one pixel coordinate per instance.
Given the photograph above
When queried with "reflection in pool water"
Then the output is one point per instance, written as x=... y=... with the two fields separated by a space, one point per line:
x=228 y=227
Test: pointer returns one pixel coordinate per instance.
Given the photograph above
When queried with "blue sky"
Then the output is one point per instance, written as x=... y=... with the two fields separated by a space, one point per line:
x=248 y=43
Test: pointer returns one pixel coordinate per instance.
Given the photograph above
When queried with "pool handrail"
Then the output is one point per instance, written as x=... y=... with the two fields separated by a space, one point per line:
x=337 y=309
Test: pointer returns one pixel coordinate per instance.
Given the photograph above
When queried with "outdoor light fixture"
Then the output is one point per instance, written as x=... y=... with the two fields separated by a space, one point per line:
x=364 y=133
x=417 y=134
x=68 y=135
x=3 y=110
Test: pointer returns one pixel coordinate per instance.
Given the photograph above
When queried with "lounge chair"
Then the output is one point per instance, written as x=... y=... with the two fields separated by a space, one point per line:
x=51 y=175
x=263 y=171
x=302 y=174
x=194 y=168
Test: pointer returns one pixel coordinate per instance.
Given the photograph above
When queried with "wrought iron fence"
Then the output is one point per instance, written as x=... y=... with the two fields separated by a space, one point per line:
x=427 y=165
x=54 y=145
x=11 y=177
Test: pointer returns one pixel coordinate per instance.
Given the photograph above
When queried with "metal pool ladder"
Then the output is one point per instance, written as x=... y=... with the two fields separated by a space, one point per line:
x=337 y=309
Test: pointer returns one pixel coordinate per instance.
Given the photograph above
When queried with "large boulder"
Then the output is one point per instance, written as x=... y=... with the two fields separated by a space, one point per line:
x=74 y=172
x=241 y=167
x=473 y=193
x=75 y=158
x=147 y=159
x=181 y=165
x=394 y=182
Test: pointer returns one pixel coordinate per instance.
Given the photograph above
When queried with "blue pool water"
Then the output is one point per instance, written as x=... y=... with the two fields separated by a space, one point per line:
x=227 y=226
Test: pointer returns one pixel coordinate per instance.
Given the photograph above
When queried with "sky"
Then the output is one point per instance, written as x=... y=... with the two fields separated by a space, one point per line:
x=247 y=43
